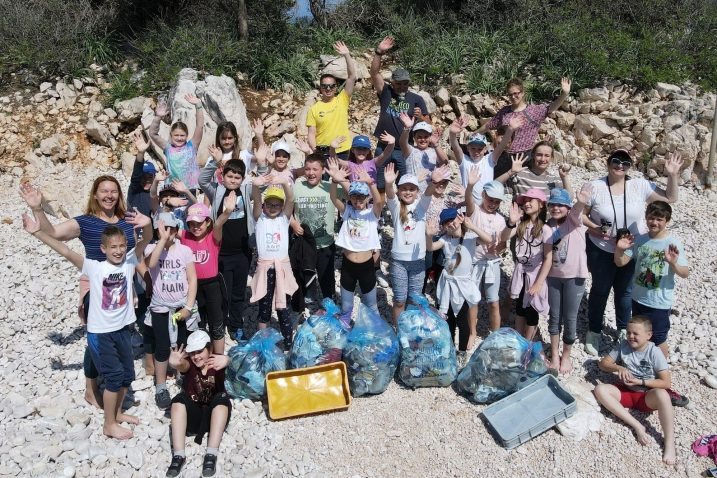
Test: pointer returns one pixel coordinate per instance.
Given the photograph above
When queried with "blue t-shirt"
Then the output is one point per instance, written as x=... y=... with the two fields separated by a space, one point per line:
x=653 y=284
x=91 y=229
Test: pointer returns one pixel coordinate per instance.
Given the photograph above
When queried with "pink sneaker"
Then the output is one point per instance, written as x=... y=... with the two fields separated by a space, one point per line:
x=705 y=445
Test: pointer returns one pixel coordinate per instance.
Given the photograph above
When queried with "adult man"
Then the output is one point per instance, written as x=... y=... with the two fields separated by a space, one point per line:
x=328 y=118
x=395 y=99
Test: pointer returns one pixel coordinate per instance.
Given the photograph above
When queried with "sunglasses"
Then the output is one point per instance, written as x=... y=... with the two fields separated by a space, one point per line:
x=328 y=86
x=625 y=163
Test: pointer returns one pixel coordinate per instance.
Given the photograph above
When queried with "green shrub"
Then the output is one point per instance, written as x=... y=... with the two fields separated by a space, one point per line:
x=125 y=85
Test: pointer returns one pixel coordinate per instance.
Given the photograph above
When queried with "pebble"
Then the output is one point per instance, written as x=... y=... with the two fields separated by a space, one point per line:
x=711 y=381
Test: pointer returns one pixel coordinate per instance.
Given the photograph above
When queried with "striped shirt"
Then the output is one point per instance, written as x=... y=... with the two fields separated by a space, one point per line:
x=526 y=179
x=91 y=229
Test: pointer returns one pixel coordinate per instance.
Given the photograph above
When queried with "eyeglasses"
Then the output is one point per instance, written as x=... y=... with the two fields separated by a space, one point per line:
x=515 y=93
x=327 y=86
x=626 y=164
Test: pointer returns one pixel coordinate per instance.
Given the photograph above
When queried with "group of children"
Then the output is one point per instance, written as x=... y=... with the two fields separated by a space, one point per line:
x=199 y=265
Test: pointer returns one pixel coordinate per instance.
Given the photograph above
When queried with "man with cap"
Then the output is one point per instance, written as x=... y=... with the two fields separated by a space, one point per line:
x=328 y=118
x=394 y=99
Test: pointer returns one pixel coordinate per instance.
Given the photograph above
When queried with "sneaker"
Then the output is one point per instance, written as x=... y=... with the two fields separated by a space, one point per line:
x=592 y=343
x=677 y=399
x=381 y=279
x=162 y=399
x=621 y=335
x=209 y=466
x=175 y=468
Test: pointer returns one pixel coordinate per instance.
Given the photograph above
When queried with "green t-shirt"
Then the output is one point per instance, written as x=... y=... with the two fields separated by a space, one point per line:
x=313 y=206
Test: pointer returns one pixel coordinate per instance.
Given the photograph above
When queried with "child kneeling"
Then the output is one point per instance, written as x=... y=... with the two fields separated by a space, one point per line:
x=644 y=381
x=203 y=405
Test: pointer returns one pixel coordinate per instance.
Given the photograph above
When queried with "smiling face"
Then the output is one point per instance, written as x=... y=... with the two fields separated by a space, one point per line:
x=227 y=141
x=489 y=204
x=476 y=151
x=531 y=206
x=178 y=137
x=327 y=88
x=541 y=157
x=400 y=87
x=407 y=193
x=421 y=139
x=281 y=159
x=272 y=207
x=200 y=357
x=453 y=227
x=618 y=167
x=312 y=172
x=114 y=248
x=198 y=229
x=439 y=188
x=360 y=154
x=558 y=211
x=515 y=95
x=358 y=201
x=655 y=225
x=107 y=196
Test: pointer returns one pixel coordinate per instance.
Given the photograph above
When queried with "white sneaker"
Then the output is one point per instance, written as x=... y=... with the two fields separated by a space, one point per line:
x=621 y=335
x=592 y=343
x=381 y=279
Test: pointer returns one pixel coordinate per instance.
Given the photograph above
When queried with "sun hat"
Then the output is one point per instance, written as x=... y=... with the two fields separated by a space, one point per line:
x=560 y=196
x=168 y=219
x=408 y=179
x=622 y=154
x=275 y=192
x=196 y=341
x=532 y=193
x=400 y=74
x=448 y=214
x=197 y=213
x=477 y=138
x=361 y=142
x=358 y=188
x=148 y=168
x=494 y=189
x=280 y=145
x=423 y=126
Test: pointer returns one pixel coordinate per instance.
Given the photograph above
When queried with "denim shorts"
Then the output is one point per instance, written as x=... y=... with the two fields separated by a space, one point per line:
x=490 y=290
x=112 y=355
x=407 y=278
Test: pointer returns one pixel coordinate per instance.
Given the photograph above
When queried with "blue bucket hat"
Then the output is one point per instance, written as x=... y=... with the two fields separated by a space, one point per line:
x=148 y=168
x=361 y=142
x=478 y=139
x=357 y=187
x=560 y=196
x=448 y=214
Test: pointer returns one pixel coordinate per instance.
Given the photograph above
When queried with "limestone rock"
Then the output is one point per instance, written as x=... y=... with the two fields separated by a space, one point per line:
x=130 y=111
x=442 y=97
x=67 y=93
x=99 y=133
x=594 y=94
x=666 y=89
x=431 y=106
x=336 y=65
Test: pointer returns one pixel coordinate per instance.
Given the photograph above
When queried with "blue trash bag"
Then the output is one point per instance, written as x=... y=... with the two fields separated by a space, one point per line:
x=250 y=362
x=502 y=364
x=319 y=340
x=428 y=354
x=371 y=354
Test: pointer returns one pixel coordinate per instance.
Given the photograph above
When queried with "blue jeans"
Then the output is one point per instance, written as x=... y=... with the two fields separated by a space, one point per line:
x=396 y=158
x=606 y=275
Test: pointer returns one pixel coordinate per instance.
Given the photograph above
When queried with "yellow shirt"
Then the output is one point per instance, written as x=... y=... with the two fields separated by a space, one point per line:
x=331 y=120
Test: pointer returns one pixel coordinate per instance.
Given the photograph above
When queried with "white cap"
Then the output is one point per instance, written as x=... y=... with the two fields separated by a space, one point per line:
x=197 y=340
x=280 y=145
x=423 y=126
x=408 y=179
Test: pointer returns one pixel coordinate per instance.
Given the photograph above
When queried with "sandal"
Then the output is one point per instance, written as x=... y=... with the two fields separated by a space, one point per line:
x=209 y=466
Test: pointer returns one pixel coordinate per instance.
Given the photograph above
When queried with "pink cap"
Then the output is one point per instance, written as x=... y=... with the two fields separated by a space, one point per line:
x=197 y=213
x=532 y=193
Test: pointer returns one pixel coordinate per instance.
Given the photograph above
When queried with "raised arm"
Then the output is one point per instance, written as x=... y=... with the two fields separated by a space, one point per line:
x=332 y=150
x=257 y=125
x=140 y=221
x=435 y=139
x=439 y=174
x=563 y=171
x=431 y=246
x=288 y=196
x=159 y=113
x=199 y=128
x=163 y=233
x=623 y=244
x=135 y=182
x=514 y=216
x=180 y=187
x=257 y=183
x=482 y=235
x=178 y=359
x=390 y=141
x=403 y=140
x=453 y=131
x=64 y=231
x=338 y=175
x=473 y=178
x=672 y=255
x=518 y=164
x=230 y=203
x=375 y=71
x=390 y=175
x=375 y=195
x=33 y=227
x=564 y=93
x=672 y=168
x=576 y=212
x=343 y=50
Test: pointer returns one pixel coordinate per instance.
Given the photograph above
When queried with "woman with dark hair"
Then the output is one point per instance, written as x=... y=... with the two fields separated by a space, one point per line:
x=105 y=207
x=616 y=207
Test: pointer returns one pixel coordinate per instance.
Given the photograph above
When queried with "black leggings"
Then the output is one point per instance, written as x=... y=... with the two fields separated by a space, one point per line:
x=265 y=306
x=364 y=274
x=159 y=333
x=462 y=323
x=88 y=365
x=211 y=302
x=530 y=314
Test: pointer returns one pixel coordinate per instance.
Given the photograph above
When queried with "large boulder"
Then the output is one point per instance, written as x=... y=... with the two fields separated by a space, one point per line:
x=130 y=111
x=665 y=90
x=67 y=93
x=336 y=65
x=99 y=133
x=430 y=104
x=594 y=94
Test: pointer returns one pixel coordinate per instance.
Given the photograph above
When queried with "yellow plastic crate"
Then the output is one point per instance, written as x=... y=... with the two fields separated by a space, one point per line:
x=303 y=391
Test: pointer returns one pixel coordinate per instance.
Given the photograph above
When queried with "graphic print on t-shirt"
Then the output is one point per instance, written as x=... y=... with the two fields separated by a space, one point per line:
x=114 y=291
x=201 y=256
x=357 y=228
x=273 y=241
x=652 y=268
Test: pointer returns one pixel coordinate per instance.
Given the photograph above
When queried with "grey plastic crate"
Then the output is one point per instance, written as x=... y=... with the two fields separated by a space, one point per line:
x=529 y=412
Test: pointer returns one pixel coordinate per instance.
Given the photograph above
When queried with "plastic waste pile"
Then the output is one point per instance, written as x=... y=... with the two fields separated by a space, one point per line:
x=503 y=363
x=319 y=340
x=250 y=362
x=371 y=354
x=428 y=355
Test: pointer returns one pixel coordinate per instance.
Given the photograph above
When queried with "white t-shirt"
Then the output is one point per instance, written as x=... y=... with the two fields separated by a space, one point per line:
x=452 y=249
x=419 y=160
x=244 y=155
x=359 y=231
x=638 y=190
x=409 y=239
x=111 y=294
x=485 y=165
x=272 y=237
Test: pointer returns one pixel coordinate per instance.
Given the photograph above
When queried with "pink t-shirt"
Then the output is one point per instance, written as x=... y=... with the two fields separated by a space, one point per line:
x=169 y=277
x=206 y=254
x=491 y=224
x=369 y=165
x=526 y=136
x=568 y=240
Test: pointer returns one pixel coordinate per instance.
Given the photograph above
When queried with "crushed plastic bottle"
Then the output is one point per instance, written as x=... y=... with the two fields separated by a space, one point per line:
x=250 y=362
x=371 y=354
x=319 y=340
x=428 y=355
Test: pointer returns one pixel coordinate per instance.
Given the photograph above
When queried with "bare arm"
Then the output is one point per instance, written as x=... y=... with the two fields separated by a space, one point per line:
x=64 y=231
x=374 y=72
x=672 y=255
x=343 y=50
x=482 y=235
x=159 y=113
x=311 y=138
x=199 y=128
x=564 y=93
x=453 y=131
x=672 y=168
x=620 y=258
x=388 y=151
x=178 y=359
x=33 y=227
x=230 y=203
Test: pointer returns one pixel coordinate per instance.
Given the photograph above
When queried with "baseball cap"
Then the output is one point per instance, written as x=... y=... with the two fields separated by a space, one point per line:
x=280 y=145
x=361 y=142
x=357 y=187
x=494 y=189
x=168 y=190
x=423 y=126
x=477 y=138
x=448 y=214
x=168 y=219
x=197 y=213
x=560 y=196
x=400 y=74
x=196 y=341
x=532 y=193
x=408 y=179
x=276 y=192
x=148 y=168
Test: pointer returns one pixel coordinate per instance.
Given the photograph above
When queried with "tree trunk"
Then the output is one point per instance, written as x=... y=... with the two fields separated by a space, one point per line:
x=242 y=20
x=318 y=11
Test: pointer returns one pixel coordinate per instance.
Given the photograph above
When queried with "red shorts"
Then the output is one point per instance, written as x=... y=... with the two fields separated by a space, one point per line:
x=632 y=399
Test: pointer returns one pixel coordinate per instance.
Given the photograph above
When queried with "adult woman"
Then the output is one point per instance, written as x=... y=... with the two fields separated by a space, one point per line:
x=617 y=207
x=105 y=207
x=525 y=136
